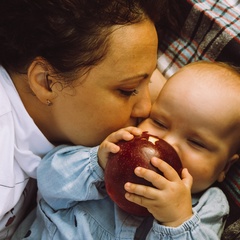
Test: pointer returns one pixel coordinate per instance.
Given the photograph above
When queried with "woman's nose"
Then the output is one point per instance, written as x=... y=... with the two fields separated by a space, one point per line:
x=142 y=107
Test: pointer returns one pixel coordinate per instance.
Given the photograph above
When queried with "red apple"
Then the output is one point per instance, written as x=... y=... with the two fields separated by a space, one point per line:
x=137 y=152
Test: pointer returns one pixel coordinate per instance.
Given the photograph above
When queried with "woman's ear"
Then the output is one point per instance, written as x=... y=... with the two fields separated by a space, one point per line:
x=39 y=81
x=231 y=161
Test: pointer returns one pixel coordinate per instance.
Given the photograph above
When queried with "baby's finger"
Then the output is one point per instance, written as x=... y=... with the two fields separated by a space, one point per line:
x=168 y=171
x=135 y=199
x=124 y=134
x=153 y=177
x=107 y=147
x=187 y=178
x=140 y=191
x=134 y=130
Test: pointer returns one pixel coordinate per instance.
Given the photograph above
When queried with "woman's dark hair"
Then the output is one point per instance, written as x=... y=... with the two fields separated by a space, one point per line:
x=69 y=34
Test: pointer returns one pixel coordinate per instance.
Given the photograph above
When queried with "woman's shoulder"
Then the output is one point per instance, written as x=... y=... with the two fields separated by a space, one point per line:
x=5 y=106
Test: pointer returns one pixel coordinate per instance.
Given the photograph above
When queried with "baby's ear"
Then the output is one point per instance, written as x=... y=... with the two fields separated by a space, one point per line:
x=230 y=162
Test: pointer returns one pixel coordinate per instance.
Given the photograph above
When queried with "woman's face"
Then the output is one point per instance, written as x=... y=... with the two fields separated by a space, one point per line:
x=114 y=93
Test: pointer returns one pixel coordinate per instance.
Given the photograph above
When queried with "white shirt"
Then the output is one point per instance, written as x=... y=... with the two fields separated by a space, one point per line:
x=22 y=145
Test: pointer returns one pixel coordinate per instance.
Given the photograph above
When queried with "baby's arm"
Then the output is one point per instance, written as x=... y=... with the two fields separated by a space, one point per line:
x=68 y=174
x=209 y=216
x=170 y=202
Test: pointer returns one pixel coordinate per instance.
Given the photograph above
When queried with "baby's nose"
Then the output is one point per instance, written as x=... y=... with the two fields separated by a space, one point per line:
x=172 y=140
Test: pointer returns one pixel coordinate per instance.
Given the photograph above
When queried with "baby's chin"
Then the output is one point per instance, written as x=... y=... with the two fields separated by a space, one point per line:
x=198 y=189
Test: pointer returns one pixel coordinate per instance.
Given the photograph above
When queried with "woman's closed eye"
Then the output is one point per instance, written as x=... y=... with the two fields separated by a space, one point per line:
x=128 y=93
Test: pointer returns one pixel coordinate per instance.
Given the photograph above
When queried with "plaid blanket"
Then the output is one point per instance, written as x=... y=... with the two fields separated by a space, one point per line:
x=211 y=31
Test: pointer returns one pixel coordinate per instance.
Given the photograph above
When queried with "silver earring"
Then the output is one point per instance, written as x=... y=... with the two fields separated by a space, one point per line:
x=49 y=103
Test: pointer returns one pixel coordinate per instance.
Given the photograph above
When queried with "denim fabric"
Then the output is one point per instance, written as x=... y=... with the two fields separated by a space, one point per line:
x=75 y=205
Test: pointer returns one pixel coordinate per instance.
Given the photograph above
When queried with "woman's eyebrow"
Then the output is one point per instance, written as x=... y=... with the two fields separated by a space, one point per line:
x=140 y=76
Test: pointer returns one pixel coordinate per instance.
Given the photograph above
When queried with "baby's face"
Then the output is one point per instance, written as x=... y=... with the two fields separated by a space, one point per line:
x=198 y=120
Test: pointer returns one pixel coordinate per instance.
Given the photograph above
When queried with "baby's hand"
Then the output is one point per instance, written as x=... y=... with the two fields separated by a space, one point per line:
x=109 y=146
x=170 y=202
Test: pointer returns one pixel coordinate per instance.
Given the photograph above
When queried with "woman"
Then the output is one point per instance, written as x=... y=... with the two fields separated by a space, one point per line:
x=71 y=72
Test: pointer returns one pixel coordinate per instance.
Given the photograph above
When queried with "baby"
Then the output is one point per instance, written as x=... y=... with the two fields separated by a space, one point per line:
x=197 y=112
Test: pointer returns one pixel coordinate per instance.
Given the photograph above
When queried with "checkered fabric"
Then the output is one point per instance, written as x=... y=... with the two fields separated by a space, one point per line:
x=211 y=31
x=232 y=183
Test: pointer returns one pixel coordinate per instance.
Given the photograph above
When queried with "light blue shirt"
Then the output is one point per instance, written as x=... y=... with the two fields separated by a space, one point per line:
x=75 y=205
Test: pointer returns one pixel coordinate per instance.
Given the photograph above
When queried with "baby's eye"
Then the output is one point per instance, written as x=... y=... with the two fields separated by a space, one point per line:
x=160 y=124
x=129 y=93
x=197 y=144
